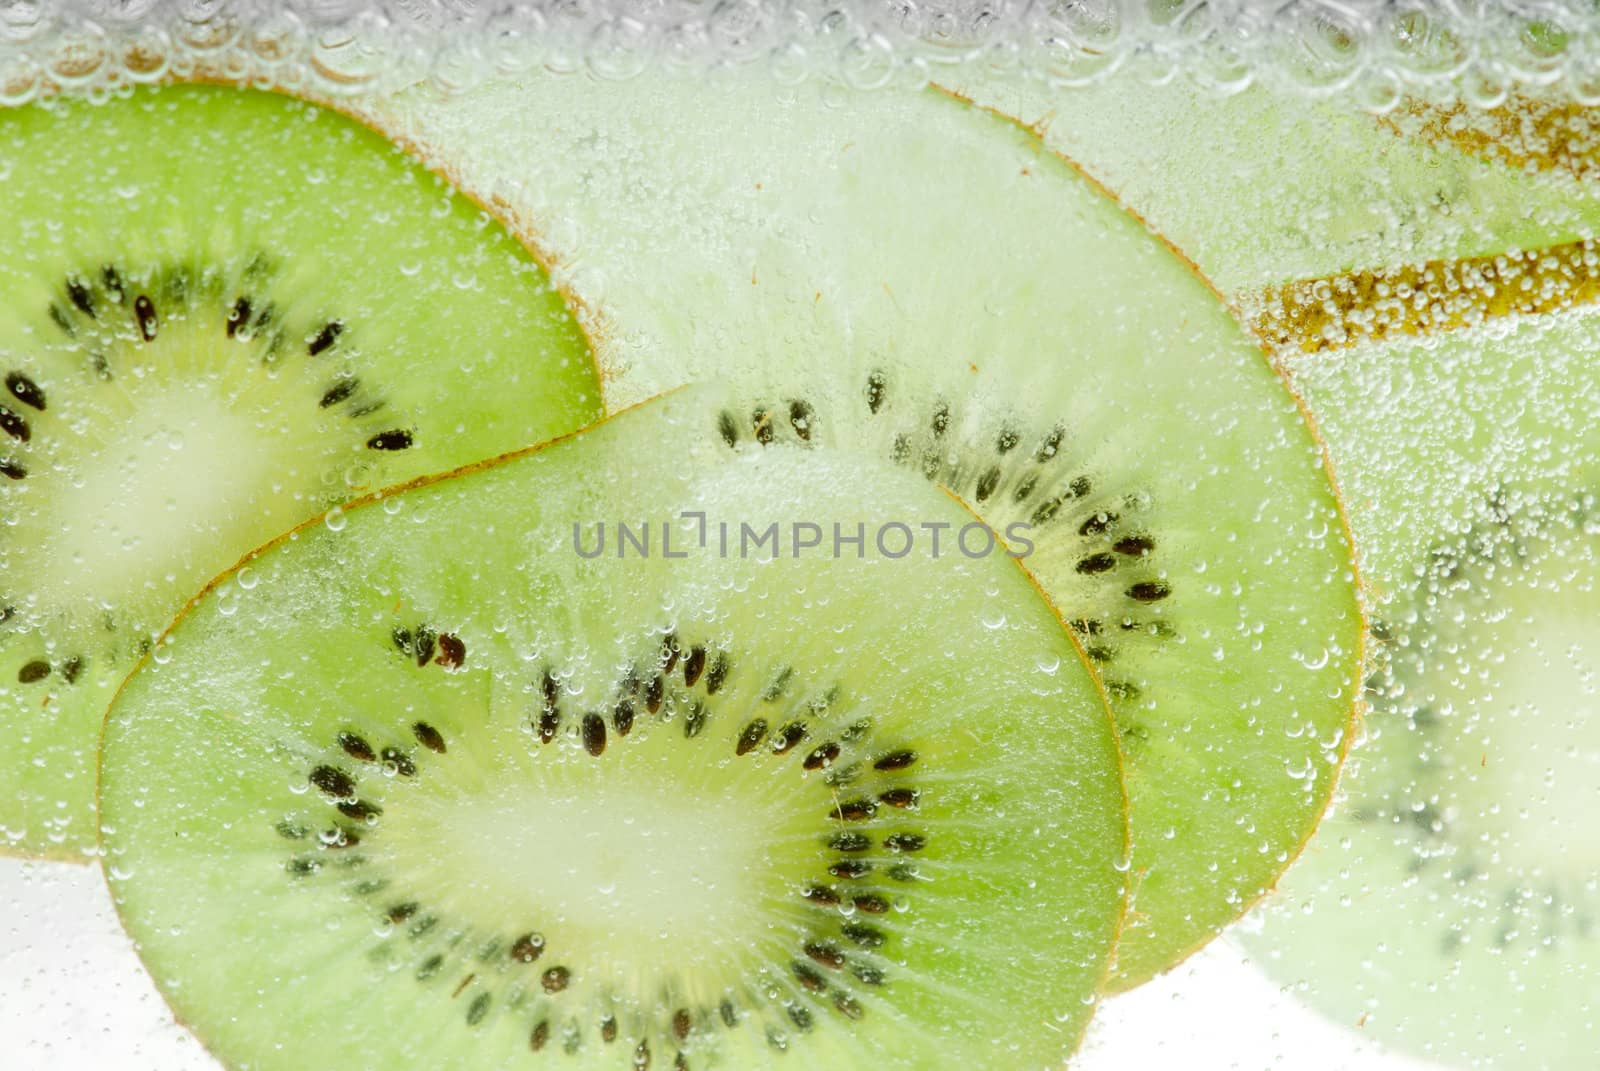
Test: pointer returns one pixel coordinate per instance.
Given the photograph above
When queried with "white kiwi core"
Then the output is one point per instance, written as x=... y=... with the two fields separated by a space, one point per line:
x=146 y=484
x=634 y=858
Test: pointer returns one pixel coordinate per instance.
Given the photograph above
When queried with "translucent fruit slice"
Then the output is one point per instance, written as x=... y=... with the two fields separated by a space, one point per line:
x=221 y=312
x=908 y=276
x=1450 y=906
x=442 y=783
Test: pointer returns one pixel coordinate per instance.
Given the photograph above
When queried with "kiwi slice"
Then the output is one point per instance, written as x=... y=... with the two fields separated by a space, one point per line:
x=224 y=311
x=448 y=783
x=1451 y=905
x=1271 y=184
x=908 y=277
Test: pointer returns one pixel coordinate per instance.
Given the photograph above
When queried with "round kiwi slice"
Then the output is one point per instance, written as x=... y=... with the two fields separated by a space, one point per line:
x=1450 y=906
x=449 y=782
x=907 y=276
x=223 y=311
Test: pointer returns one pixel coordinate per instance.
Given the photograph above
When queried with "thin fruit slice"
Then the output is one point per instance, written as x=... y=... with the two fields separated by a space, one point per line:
x=224 y=311
x=1271 y=184
x=449 y=783
x=905 y=275
x=1450 y=906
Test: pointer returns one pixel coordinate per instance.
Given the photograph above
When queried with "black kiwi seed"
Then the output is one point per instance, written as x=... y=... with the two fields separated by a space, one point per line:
x=1050 y=446
x=871 y=904
x=681 y=1024
x=12 y=470
x=622 y=717
x=864 y=935
x=550 y=714
x=867 y=975
x=1097 y=524
x=858 y=810
x=1006 y=441
x=653 y=693
x=761 y=423
x=359 y=810
x=429 y=967
x=33 y=672
x=333 y=782
x=428 y=737
x=875 y=390
x=669 y=653
x=850 y=869
x=452 y=652
x=144 y=310
x=1149 y=591
x=400 y=761
x=238 y=316
x=895 y=760
x=113 y=282
x=325 y=338
x=694 y=721
x=788 y=737
x=848 y=1007
x=527 y=948
x=59 y=318
x=820 y=756
x=850 y=842
x=717 y=674
x=337 y=393
x=809 y=977
x=594 y=734
x=478 y=1009
x=825 y=954
x=1096 y=563
x=422 y=645
x=905 y=842
x=694 y=666
x=555 y=979
x=727 y=428
x=13 y=425
x=987 y=483
x=821 y=894
x=395 y=439
x=800 y=417
x=25 y=391
x=1134 y=546
x=540 y=1035
x=941 y=420
x=80 y=296
x=608 y=1029
x=356 y=747
x=400 y=912
x=641 y=1057
x=899 y=797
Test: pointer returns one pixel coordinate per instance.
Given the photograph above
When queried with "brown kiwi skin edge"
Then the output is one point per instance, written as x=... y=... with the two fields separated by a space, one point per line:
x=373 y=497
x=1121 y=983
x=592 y=325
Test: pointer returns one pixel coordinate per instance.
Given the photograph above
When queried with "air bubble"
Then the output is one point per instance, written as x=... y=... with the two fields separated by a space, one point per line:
x=335 y=519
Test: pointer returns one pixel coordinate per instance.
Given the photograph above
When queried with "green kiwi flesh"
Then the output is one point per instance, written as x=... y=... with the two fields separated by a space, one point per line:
x=909 y=277
x=224 y=311
x=433 y=785
x=1451 y=906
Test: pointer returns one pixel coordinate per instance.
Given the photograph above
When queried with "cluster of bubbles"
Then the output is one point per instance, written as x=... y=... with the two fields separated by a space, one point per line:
x=1375 y=49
